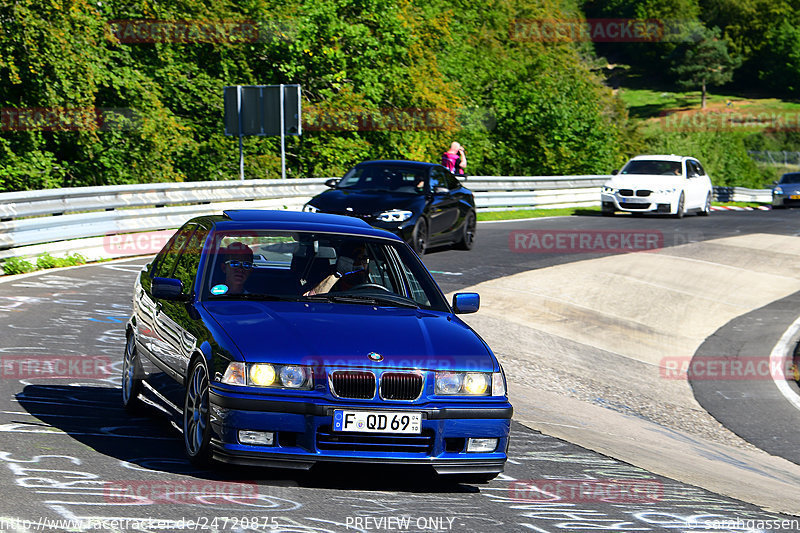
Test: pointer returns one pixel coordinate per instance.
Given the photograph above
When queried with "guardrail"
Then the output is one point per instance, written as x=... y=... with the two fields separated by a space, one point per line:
x=79 y=219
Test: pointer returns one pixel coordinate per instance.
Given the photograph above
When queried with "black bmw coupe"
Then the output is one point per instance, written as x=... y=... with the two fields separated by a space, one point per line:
x=423 y=203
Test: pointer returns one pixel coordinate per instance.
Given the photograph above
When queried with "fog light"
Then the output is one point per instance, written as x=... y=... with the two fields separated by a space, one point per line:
x=481 y=445
x=257 y=438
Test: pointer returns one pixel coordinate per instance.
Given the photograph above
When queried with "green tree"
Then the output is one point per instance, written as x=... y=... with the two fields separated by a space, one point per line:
x=705 y=62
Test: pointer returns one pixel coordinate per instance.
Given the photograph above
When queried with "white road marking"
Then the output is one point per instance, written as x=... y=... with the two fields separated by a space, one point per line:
x=778 y=357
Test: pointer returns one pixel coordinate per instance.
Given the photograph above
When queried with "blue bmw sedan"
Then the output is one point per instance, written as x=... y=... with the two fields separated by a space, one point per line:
x=285 y=339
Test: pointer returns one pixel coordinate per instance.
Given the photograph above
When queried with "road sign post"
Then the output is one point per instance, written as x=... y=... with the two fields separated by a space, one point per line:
x=263 y=110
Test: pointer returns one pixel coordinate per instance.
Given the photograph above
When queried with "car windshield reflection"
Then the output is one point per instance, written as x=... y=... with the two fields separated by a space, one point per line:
x=383 y=178
x=297 y=266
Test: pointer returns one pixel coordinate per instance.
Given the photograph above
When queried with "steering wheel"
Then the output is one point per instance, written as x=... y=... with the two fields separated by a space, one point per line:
x=362 y=286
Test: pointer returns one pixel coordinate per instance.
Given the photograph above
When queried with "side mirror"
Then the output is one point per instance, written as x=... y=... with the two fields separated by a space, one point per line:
x=332 y=183
x=466 y=302
x=168 y=289
x=614 y=172
x=774 y=183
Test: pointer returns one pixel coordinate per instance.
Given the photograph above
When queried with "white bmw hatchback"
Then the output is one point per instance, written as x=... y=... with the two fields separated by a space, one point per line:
x=662 y=184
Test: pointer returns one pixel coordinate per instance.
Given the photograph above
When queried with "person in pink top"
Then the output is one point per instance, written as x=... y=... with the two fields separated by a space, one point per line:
x=455 y=159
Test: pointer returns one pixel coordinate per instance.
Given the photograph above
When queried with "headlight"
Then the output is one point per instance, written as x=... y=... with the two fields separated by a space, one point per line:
x=293 y=376
x=395 y=215
x=666 y=191
x=268 y=375
x=777 y=190
x=463 y=383
x=608 y=190
x=308 y=208
x=262 y=374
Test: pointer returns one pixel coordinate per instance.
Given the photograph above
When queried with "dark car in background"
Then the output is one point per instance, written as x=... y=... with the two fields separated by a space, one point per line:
x=786 y=191
x=286 y=339
x=422 y=203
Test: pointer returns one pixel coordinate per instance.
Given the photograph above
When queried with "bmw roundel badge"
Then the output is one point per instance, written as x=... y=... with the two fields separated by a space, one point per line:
x=373 y=356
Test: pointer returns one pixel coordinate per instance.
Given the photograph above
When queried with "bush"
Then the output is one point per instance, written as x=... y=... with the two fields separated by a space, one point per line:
x=17 y=265
x=46 y=261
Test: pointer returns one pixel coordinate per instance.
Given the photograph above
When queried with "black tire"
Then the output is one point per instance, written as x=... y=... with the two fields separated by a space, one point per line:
x=196 y=416
x=706 y=207
x=681 y=207
x=468 y=235
x=419 y=236
x=131 y=382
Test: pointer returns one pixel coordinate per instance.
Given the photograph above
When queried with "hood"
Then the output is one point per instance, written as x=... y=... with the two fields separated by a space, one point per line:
x=342 y=335
x=789 y=188
x=366 y=202
x=644 y=181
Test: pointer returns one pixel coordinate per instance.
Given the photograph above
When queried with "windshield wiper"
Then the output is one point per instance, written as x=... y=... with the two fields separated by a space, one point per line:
x=371 y=299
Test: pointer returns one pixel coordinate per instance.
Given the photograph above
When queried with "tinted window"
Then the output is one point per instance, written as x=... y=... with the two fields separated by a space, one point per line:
x=308 y=266
x=438 y=178
x=700 y=170
x=169 y=255
x=186 y=267
x=664 y=168
x=691 y=169
x=396 y=178
x=791 y=178
x=452 y=182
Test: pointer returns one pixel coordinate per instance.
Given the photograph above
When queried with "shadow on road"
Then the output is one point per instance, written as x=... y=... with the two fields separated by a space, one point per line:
x=152 y=441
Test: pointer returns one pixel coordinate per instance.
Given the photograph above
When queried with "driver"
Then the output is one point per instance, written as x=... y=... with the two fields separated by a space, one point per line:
x=352 y=270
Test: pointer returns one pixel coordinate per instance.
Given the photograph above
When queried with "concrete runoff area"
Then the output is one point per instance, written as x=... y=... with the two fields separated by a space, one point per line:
x=585 y=346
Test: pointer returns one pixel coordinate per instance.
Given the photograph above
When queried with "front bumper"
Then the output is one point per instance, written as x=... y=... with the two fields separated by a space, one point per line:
x=303 y=434
x=655 y=203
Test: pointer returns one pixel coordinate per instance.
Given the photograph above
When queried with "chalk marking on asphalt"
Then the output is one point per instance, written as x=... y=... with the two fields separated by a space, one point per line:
x=777 y=356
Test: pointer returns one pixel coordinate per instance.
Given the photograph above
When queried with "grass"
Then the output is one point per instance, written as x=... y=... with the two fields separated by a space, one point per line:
x=17 y=265
x=648 y=103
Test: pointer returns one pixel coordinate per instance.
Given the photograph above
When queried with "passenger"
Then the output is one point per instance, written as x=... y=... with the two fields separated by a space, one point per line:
x=237 y=265
x=352 y=270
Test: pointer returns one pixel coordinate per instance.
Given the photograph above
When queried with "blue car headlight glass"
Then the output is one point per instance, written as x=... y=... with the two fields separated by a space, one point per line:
x=268 y=375
x=777 y=190
x=293 y=376
x=395 y=215
x=464 y=383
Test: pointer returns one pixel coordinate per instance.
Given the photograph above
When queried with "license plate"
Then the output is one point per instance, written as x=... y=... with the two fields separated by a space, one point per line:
x=794 y=197
x=377 y=421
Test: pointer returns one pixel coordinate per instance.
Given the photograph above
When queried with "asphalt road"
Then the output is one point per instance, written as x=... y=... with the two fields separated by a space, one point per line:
x=70 y=452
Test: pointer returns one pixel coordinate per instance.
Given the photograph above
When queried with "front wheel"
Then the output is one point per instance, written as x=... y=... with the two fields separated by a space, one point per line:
x=419 y=236
x=468 y=236
x=681 y=207
x=196 y=416
x=131 y=383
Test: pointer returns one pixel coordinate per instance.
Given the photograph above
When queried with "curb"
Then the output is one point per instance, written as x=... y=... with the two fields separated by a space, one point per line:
x=737 y=208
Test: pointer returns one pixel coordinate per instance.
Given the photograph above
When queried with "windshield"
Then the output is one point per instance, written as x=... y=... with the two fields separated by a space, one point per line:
x=790 y=178
x=304 y=266
x=395 y=178
x=661 y=168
